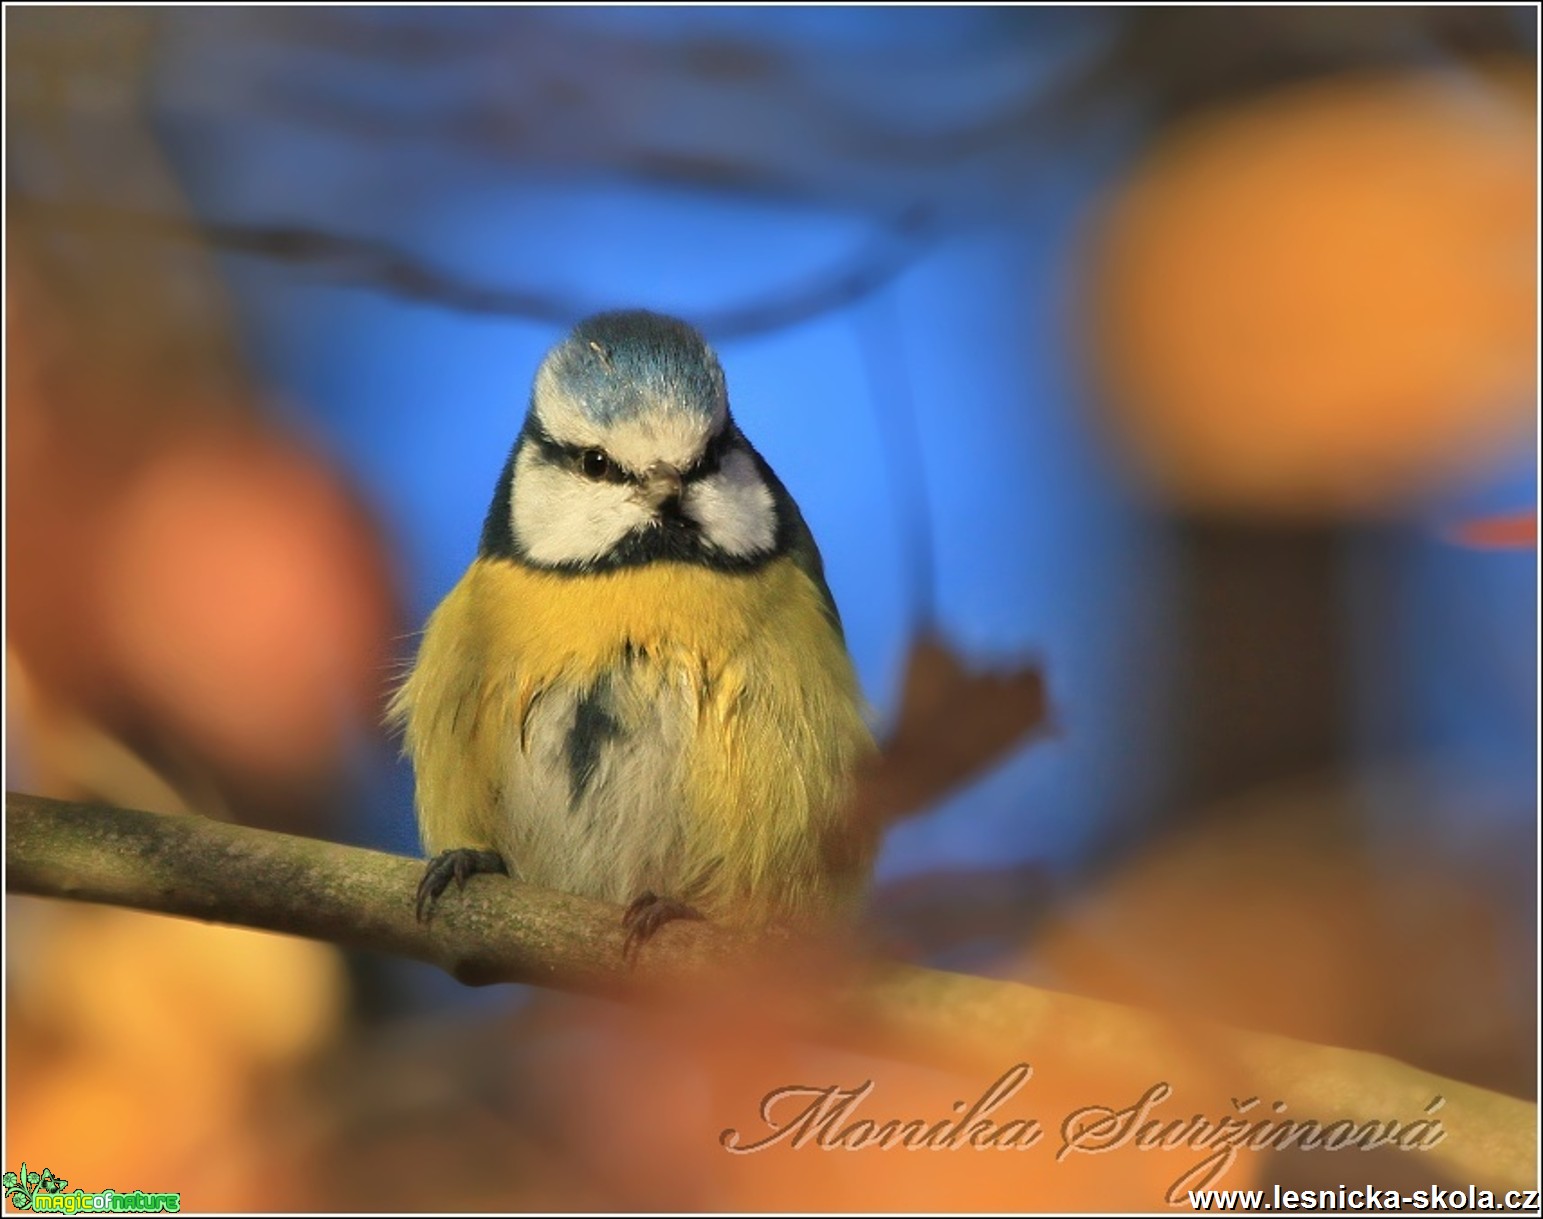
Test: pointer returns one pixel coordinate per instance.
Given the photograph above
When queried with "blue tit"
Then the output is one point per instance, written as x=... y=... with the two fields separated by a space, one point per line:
x=639 y=691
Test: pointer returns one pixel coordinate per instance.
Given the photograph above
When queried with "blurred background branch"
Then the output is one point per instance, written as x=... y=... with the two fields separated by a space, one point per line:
x=353 y=261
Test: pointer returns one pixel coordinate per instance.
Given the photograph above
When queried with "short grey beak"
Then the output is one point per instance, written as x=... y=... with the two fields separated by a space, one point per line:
x=661 y=484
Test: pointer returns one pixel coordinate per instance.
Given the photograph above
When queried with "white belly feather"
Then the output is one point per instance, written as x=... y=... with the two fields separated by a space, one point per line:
x=593 y=803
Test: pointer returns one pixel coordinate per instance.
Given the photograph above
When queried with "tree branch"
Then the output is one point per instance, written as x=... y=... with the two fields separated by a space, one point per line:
x=495 y=932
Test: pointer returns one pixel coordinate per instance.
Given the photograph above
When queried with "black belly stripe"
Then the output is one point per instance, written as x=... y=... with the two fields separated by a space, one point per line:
x=594 y=727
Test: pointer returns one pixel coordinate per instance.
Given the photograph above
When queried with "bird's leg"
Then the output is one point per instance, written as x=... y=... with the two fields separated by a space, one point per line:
x=649 y=912
x=454 y=865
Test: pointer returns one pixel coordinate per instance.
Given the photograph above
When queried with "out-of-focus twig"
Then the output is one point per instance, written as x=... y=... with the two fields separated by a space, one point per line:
x=501 y=932
x=362 y=262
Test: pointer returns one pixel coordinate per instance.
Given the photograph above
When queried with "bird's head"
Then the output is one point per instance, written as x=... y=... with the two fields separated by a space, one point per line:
x=629 y=455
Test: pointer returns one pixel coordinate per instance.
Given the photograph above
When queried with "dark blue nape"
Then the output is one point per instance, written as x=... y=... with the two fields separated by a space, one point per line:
x=497 y=539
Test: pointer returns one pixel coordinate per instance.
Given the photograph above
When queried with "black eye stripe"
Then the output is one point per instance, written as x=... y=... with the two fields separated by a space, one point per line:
x=712 y=458
x=572 y=455
x=597 y=466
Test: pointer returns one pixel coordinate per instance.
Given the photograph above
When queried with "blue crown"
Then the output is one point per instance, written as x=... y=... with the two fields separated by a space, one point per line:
x=616 y=366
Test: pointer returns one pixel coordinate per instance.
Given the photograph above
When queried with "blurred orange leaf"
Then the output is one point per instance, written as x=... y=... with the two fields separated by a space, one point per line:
x=953 y=725
x=1514 y=531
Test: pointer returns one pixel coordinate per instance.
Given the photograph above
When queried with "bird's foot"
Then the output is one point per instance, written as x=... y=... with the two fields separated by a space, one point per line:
x=649 y=912
x=454 y=865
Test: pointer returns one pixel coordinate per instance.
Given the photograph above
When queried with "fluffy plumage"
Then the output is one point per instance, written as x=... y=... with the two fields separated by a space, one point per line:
x=640 y=684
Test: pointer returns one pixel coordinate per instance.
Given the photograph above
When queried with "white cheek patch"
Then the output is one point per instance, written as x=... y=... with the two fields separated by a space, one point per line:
x=559 y=516
x=734 y=508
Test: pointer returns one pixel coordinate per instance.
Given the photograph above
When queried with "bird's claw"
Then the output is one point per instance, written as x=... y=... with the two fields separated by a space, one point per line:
x=454 y=865
x=646 y=914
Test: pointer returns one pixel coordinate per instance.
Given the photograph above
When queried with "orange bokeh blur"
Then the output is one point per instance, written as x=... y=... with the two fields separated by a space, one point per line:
x=143 y=1051
x=247 y=602
x=664 y=1105
x=1324 y=301
x=181 y=568
x=199 y=615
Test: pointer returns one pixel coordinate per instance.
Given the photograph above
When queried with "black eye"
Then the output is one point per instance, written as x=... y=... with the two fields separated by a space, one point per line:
x=594 y=464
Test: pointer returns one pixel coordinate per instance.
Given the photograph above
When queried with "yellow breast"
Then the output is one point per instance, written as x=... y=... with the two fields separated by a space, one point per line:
x=767 y=763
